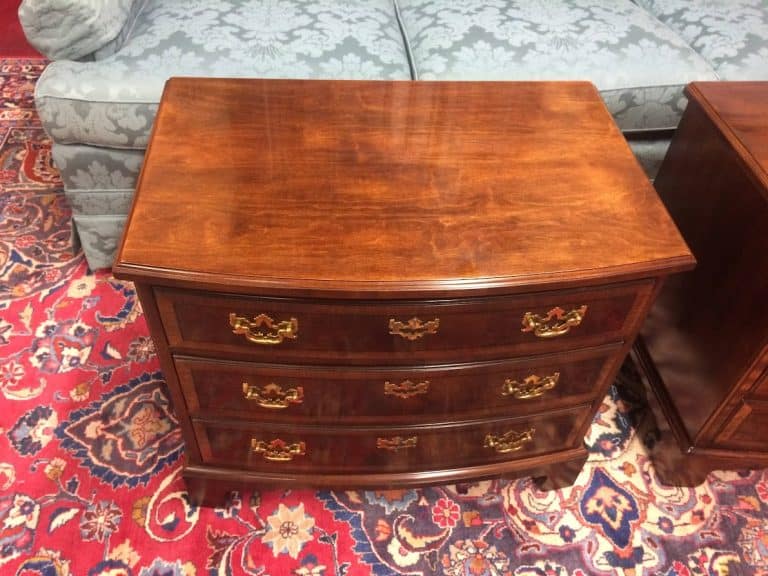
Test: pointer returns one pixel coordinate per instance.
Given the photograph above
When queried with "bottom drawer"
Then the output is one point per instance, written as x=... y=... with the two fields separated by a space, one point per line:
x=295 y=449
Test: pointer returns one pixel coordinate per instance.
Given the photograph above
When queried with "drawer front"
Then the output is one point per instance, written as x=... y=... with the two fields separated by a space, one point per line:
x=281 y=330
x=747 y=429
x=380 y=395
x=295 y=449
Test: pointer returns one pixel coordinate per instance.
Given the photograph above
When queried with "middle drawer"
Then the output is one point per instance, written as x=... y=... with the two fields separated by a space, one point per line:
x=302 y=394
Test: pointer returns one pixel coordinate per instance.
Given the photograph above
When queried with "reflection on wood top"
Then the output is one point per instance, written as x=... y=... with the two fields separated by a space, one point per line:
x=740 y=111
x=401 y=187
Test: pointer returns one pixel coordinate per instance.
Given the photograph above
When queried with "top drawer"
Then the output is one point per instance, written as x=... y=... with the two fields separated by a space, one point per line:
x=405 y=332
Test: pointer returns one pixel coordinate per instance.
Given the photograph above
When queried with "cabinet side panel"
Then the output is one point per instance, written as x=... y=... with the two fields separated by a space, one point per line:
x=708 y=325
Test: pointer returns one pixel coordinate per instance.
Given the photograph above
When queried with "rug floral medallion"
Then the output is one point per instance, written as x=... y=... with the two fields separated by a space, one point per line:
x=91 y=453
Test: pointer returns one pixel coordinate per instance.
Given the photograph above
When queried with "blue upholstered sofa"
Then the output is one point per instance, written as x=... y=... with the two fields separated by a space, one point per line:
x=110 y=59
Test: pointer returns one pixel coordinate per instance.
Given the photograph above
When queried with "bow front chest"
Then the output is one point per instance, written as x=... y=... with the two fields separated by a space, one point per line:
x=380 y=284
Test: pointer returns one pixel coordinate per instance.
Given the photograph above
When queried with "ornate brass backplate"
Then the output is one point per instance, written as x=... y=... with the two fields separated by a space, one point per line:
x=278 y=450
x=414 y=328
x=406 y=388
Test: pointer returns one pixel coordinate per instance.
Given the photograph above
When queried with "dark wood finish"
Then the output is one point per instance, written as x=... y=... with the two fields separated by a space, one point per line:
x=746 y=428
x=761 y=387
x=667 y=441
x=706 y=336
x=346 y=205
x=648 y=134
x=460 y=391
x=483 y=328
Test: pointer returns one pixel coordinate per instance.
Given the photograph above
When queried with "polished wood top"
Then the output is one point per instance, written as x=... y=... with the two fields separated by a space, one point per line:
x=740 y=111
x=403 y=188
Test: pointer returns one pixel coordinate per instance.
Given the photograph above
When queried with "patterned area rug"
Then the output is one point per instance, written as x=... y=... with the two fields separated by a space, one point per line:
x=90 y=451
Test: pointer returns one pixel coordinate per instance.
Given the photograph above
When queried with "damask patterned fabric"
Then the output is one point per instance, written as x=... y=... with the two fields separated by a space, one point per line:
x=99 y=185
x=72 y=28
x=99 y=237
x=111 y=47
x=639 y=65
x=112 y=102
x=731 y=34
x=88 y=168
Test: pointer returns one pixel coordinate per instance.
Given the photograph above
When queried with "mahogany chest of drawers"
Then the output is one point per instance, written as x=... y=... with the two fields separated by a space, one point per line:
x=705 y=345
x=378 y=284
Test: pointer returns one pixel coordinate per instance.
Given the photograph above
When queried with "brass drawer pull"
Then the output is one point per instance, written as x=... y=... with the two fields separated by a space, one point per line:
x=406 y=388
x=278 y=450
x=510 y=442
x=531 y=387
x=273 y=332
x=414 y=328
x=397 y=443
x=273 y=396
x=557 y=322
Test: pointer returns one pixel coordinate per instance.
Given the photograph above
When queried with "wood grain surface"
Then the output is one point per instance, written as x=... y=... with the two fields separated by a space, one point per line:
x=394 y=186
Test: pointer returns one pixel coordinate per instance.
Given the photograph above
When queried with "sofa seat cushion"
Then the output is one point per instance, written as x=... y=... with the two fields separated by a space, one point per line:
x=112 y=102
x=730 y=34
x=639 y=65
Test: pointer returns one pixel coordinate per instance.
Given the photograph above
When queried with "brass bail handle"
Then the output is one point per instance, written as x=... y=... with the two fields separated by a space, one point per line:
x=533 y=386
x=557 y=322
x=263 y=329
x=511 y=441
x=273 y=396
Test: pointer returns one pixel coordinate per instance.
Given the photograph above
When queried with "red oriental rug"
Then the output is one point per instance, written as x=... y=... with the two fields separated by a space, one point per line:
x=90 y=451
x=13 y=42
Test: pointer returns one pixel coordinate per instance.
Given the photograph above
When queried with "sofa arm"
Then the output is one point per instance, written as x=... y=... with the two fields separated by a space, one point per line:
x=72 y=29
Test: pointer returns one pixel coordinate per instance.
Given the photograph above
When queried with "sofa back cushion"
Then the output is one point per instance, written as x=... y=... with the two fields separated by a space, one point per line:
x=731 y=34
x=639 y=65
x=72 y=29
